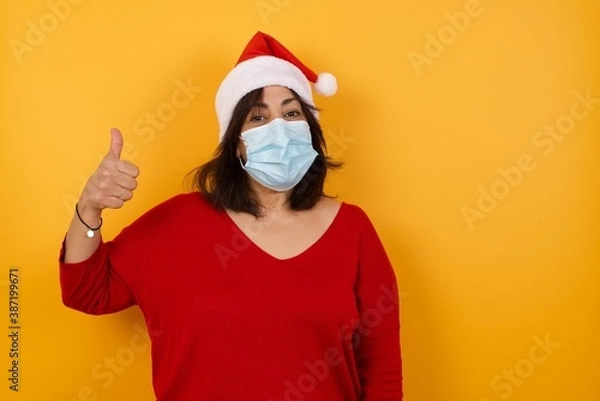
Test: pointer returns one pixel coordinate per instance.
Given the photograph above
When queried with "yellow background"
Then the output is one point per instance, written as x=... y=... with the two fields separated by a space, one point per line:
x=418 y=142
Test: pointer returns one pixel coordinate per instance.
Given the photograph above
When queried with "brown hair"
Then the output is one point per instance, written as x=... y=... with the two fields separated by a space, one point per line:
x=224 y=183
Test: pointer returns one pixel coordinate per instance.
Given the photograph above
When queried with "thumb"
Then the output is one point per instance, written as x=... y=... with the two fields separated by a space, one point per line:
x=116 y=142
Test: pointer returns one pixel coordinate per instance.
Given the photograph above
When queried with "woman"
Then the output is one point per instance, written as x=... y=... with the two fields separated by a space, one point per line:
x=257 y=286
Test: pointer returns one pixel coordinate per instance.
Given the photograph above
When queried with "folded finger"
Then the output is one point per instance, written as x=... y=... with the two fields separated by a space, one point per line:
x=128 y=168
x=126 y=195
x=126 y=181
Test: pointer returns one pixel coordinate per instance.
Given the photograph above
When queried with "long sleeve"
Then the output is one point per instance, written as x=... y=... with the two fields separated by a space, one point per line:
x=101 y=283
x=207 y=293
x=377 y=339
x=110 y=280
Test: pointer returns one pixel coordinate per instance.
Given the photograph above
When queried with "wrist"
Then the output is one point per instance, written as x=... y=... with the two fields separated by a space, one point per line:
x=88 y=213
x=87 y=207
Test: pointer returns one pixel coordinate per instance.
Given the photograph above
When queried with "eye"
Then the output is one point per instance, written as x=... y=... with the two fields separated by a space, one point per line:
x=257 y=117
x=293 y=113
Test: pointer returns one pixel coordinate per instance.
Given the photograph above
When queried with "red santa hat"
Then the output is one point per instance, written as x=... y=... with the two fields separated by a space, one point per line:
x=266 y=62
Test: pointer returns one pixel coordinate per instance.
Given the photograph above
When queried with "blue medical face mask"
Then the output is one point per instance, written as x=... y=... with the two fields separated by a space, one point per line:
x=278 y=153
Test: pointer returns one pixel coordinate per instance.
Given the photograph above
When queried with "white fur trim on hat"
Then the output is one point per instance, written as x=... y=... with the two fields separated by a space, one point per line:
x=255 y=73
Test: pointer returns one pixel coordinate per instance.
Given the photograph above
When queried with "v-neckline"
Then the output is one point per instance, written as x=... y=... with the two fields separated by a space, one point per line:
x=313 y=245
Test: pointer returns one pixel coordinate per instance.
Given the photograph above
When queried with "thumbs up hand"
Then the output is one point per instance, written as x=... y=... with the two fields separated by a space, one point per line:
x=114 y=180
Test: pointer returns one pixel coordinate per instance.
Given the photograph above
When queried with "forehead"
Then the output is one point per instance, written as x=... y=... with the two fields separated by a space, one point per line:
x=275 y=94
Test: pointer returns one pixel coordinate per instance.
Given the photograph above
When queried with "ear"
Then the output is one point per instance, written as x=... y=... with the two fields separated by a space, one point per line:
x=240 y=148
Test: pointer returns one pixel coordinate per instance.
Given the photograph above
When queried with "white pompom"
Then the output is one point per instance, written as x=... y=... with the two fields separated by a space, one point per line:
x=326 y=84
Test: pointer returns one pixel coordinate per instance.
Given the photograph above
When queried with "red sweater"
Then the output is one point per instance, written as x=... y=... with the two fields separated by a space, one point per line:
x=229 y=322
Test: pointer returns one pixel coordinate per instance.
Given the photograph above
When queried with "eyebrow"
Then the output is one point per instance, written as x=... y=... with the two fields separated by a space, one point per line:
x=265 y=106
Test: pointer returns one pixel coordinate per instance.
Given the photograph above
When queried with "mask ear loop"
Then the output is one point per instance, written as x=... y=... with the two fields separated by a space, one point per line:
x=240 y=157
